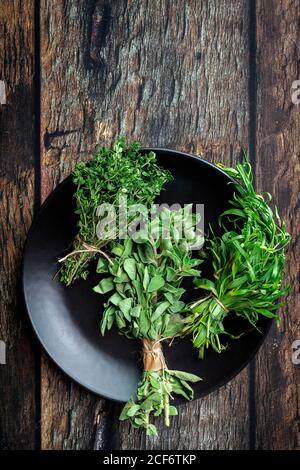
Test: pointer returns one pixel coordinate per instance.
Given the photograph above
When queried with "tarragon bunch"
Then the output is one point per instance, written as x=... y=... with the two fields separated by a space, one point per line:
x=111 y=174
x=145 y=274
x=248 y=261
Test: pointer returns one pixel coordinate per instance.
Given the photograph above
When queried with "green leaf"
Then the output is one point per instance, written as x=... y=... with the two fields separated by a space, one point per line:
x=177 y=306
x=120 y=279
x=146 y=278
x=185 y=376
x=102 y=265
x=118 y=250
x=139 y=421
x=123 y=416
x=173 y=411
x=139 y=290
x=265 y=312
x=140 y=237
x=120 y=320
x=130 y=268
x=160 y=309
x=144 y=323
x=125 y=306
x=179 y=390
x=156 y=397
x=206 y=285
x=155 y=382
x=149 y=253
x=169 y=297
x=104 y=286
x=151 y=430
x=174 y=326
x=108 y=319
x=135 y=311
x=147 y=405
x=128 y=247
x=156 y=283
x=115 y=299
x=171 y=274
x=133 y=410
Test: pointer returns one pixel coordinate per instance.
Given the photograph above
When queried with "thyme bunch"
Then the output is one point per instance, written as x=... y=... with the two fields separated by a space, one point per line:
x=111 y=174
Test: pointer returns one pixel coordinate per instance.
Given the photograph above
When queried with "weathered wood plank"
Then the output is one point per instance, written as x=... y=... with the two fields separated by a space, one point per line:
x=171 y=74
x=17 y=376
x=278 y=171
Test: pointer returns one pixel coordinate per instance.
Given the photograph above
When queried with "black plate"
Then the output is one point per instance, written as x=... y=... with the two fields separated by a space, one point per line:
x=66 y=319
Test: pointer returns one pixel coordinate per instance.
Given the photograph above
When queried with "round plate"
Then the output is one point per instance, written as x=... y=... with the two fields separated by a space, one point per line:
x=67 y=319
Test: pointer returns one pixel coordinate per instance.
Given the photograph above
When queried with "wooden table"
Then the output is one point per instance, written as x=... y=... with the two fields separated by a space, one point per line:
x=204 y=76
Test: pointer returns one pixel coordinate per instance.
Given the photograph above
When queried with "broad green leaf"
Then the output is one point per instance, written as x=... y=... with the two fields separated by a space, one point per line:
x=102 y=265
x=139 y=421
x=139 y=290
x=160 y=309
x=127 y=248
x=185 y=376
x=155 y=383
x=173 y=411
x=108 y=319
x=156 y=397
x=144 y=323
x=125 y=306
x=139 y=235
x=151 y=430
x=120 y=320
x=171 y=274
x=169 y=297
x=177 y=306
x=115 y=298
x=105 y=285
x=133 y=410
x=135 y=311
x=130 y=268
x=123 y=416
x=156 y=283
x=174 y=326
x=121 y=278
x=118 y=250
x=147 y=405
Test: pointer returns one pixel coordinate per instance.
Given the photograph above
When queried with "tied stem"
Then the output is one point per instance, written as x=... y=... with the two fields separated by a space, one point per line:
x=86 y=248
x=153 y=356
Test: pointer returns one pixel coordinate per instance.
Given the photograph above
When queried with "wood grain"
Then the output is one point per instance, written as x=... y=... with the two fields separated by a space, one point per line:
x=278 y=171
x=172 y=74
x=17 y=376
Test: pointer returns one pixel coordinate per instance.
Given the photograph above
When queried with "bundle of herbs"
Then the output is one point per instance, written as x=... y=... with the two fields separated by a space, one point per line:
x=111 y=176
x=145 y=274
x=248 y=261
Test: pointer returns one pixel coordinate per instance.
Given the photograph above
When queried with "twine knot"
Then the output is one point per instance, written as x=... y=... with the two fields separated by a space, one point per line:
x=153 y=355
